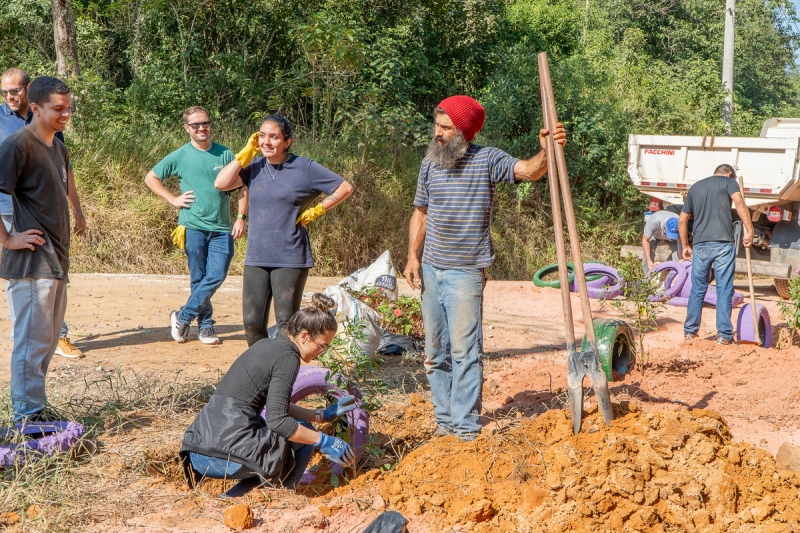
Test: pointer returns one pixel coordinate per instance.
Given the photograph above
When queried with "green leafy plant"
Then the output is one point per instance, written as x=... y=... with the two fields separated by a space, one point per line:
x=402 y=316
x=639 y=306
x=790 y=309
x=350 y=368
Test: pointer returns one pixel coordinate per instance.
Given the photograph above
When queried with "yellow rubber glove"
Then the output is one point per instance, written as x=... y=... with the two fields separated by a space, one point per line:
x=249 y=152
x=179 y=237
x=310 y=214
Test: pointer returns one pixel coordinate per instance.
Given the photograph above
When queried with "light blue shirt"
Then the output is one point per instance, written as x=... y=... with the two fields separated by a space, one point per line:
x=10 y=122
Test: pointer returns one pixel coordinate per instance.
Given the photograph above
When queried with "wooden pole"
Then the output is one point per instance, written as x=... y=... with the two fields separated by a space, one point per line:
x=750 y=277
x=566 y=194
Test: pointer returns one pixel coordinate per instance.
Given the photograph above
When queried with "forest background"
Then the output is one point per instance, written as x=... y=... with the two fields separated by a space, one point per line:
x=360 y=79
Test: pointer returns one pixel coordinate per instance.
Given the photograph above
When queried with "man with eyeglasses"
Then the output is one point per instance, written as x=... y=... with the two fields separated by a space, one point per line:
x=204 y=220
x=15 y=113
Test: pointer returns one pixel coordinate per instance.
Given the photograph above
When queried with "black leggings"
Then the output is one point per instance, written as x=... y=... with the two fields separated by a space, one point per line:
x=261 y=286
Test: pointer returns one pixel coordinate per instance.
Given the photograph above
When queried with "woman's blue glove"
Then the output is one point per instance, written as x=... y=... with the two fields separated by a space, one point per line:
x=336 y=450
x=343 y=406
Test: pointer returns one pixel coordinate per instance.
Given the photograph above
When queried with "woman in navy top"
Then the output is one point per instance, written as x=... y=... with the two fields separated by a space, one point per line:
x=281 y=186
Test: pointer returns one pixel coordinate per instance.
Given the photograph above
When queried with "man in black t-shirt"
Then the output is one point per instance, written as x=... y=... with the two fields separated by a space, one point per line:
x=33 y=170
x=709 y=200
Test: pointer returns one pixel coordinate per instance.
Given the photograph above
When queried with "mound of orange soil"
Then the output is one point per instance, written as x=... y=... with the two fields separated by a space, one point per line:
x=666 y=471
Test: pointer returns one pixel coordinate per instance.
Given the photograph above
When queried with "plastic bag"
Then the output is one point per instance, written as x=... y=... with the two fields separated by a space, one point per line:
x=347 y=306
x=396 y=344
x=380 y=273
x=388 y=522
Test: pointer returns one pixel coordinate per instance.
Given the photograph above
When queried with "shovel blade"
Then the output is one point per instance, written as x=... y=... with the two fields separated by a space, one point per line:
x=582 y=364
x=576 y=407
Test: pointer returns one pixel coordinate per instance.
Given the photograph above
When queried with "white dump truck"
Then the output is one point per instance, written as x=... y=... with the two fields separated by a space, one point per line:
x=664 y=167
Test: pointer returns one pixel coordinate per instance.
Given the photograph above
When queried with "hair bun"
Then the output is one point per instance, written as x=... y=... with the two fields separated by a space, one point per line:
x=323 y=303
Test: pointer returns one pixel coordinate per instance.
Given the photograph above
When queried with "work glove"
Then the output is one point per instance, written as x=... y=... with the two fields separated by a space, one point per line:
x=249 y=152
x=179 y=237
x=336 y=450
x=343 y=406
x=310 y=214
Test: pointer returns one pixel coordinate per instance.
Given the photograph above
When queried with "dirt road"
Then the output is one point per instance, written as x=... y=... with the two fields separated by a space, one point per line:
x=122 y=321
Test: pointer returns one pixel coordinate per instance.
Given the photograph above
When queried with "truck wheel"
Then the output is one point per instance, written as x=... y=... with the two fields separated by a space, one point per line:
x=553 y=269
x=744 y=325
x=615 y=346
x=782 y=286
x=44 y=439
x=311 y=380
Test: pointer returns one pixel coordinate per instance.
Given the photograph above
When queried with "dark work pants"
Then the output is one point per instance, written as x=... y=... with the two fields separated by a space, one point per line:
x=262 y=285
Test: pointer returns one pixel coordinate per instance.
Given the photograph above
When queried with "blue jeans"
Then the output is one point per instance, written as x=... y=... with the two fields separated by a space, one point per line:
x=209 y=255
x=214 y=468
x=39 y=305
x=452 y=308
x=721 y=256
x=8 y=222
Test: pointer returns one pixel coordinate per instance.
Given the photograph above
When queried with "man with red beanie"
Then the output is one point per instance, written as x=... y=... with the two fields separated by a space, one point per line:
x=453 y=205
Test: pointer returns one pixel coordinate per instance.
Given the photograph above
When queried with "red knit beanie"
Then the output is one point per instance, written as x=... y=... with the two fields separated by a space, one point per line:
x=466 y=113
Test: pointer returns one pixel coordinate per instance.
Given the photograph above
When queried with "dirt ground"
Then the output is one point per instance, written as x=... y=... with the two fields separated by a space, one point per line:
x=121 y=323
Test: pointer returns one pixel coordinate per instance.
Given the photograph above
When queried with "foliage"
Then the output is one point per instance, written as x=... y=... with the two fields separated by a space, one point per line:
x=639 y=305
x=402 y=316
x=360 y=79
x=790 y=309
x=350 y=368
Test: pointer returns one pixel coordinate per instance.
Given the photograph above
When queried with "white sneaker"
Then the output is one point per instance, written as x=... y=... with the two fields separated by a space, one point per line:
x=179 y=330
x=208 y=336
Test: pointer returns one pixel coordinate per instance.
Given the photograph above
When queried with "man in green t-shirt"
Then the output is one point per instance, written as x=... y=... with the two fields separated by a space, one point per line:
x=204 y=220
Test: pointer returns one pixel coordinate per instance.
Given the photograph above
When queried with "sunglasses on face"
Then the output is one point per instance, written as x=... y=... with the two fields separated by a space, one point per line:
x=12 y=92
x=197 y=125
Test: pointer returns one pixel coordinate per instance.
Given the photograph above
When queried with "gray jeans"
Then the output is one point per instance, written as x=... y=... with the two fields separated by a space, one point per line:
x=8 y=222
x=39 y=305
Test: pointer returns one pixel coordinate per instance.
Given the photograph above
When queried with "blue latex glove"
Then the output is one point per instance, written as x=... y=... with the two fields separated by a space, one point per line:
x=336 y=450
x=343 y=406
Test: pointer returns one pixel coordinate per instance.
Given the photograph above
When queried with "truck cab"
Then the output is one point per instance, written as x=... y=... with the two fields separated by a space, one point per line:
x=664 y=167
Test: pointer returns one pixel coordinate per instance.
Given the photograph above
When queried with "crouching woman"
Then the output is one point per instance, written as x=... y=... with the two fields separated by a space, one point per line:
x=229 y=439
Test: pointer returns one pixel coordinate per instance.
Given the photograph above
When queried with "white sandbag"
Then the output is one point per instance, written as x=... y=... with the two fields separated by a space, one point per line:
x=347 y=306
x=380 y=273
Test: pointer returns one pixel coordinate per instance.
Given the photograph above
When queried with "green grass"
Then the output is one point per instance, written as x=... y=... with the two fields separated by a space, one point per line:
x=129 y=227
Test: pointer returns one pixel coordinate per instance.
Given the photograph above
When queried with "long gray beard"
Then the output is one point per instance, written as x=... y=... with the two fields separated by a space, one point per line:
x=446 y=156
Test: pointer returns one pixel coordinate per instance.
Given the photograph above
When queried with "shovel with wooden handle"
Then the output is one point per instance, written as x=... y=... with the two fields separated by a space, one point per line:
x=585 y=363
x=756 y=333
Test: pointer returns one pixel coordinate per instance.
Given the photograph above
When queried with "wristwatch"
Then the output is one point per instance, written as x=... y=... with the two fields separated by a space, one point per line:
x=243 y=217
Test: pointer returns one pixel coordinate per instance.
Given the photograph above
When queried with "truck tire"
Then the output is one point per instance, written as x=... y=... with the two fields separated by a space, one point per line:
x=615 y=346
x=311 y=380
x=744 y=325
x=50 y=437
x=553 y=268
x=674 y=281
x=782 y=286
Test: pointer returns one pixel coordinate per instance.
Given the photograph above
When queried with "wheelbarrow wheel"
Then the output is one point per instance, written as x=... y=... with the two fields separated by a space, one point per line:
x=744 y=325
x=615 y=346
x=782 y=286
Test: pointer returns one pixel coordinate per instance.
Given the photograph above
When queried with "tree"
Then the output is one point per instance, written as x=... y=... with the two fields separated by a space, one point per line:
x=65 y=39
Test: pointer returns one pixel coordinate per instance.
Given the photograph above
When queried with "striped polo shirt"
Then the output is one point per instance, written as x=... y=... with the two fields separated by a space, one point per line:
x=459 y=202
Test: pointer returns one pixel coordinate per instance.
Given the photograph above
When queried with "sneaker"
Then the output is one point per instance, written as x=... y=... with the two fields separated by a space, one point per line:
x=179 y=330
x=442 y=432
x=690 y=336
x=724 y=342
x=67 y=349
x=208 y=336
